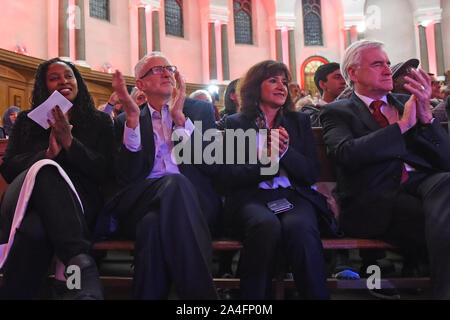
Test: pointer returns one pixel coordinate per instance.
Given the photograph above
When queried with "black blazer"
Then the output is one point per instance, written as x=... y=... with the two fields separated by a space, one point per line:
x=300 y=162
x=369 y=160
x=134 y=167
x=87 y=162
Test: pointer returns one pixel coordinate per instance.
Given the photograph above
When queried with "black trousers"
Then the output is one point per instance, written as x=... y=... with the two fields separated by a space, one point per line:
x=173 y=242
x=53 y=224
x=267 y=238
x=421 y=224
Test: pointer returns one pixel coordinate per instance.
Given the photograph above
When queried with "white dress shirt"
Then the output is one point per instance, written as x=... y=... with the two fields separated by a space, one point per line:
x=162 y=134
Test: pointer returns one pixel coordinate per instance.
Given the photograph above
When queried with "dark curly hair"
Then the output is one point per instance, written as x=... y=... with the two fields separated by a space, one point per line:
x=249 y=88
x=83 y=108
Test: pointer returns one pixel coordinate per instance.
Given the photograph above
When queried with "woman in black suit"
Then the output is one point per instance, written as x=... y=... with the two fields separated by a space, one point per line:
x=58 y=218
x=266 y=104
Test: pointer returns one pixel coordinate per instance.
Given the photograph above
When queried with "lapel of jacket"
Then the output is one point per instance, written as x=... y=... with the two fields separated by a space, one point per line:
x=147 y=139
x=397 y=104
x=363 y=113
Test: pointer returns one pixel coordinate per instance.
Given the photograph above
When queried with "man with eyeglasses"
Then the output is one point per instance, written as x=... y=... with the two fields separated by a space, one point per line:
x=163 y=206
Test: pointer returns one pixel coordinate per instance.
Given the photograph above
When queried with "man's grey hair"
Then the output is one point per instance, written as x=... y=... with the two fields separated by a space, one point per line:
x=138 y=69
x=197 y=93
x=352 y=56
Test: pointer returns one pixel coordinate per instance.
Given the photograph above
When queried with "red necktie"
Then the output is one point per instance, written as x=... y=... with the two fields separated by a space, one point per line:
x=383 y=122
x=376 y=107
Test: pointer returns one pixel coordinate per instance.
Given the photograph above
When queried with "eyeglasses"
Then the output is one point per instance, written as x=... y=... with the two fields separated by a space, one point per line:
x=433 y=83
x=159 y=70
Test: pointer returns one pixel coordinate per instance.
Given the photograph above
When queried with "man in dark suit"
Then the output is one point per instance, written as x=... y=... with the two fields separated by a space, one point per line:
x=393 y=161
x=166 y=207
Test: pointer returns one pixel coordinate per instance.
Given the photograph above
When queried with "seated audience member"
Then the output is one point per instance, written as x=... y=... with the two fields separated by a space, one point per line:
x=392 y=161
x=138 y=96
x=163 y=206
x=231 y=102
x=113 y=107
x=436 y=95
x=266 y=104
x=201 y=95
x=63 y=167
x=9 y=117
x=348 y=91
x=330 y=83
x=295 y=91
x=439 y=112
x=447 y=110
x=215 y=99
x=399 y=72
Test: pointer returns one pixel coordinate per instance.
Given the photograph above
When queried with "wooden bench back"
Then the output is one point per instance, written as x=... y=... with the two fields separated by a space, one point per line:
x=3 y=184
x=328 y=173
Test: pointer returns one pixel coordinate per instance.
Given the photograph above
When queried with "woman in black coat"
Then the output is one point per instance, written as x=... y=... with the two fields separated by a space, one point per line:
x=294 y=167
x=58 y=219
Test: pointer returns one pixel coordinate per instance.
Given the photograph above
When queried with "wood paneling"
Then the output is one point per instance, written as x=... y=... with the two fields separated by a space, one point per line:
x=17 y=76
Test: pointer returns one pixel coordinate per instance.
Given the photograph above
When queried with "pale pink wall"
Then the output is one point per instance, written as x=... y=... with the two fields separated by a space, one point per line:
x=109 y=41
x=332 y=25
x=25 y=23
x=242 y=56
x=186 y=53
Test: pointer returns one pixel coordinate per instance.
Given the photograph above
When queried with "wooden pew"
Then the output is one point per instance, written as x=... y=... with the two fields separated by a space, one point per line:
x=280 y=283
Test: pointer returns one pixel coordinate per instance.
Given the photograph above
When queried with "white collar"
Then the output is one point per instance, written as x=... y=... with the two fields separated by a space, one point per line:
x=367 y=100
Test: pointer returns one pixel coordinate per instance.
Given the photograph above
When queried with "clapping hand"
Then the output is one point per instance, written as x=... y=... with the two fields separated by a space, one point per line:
x=177 y=101
x=129 y=106
x=61 y=129
x=420 y=86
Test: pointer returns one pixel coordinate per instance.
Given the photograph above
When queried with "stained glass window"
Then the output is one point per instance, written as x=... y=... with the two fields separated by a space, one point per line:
x=243 y=32
x=312 y=23
x=99 y=9
x=173 y=10
x=309 y=71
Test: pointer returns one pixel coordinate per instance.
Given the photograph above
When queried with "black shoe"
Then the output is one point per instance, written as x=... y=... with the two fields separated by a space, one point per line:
x=91 y=287
x=385 y=294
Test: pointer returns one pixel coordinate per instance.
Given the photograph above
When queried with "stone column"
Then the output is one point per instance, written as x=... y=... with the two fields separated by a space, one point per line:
x=156 y=43
x=225 y=53
x=80 y=41
x=423 y=49
x=279 y=45
x=439 y=50
x=292 y=55
x=348 y=37
x=142 y=32
x=212 y=51
x=63 y=30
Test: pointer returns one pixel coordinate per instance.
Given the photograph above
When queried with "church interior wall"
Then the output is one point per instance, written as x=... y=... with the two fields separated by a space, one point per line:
x=109 y=41
x=395 y=28
x=445 y=27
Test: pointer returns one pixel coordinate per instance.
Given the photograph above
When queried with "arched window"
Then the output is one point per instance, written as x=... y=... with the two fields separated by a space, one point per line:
x=173 y=10
x=312 y=22
x=99 y=9
x=309 y=69
x=243 y=32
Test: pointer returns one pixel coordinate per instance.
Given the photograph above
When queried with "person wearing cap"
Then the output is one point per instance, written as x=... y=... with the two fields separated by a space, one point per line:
x=399 y=71
x=330 y=83
x=392 y=161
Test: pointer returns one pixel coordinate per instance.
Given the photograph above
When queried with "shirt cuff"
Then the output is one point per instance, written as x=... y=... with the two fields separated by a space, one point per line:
x=108 y=108
x=184 y=133
x=132 y=138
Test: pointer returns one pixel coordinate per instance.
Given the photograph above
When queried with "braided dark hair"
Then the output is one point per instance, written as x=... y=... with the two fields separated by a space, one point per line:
x=83 y=108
